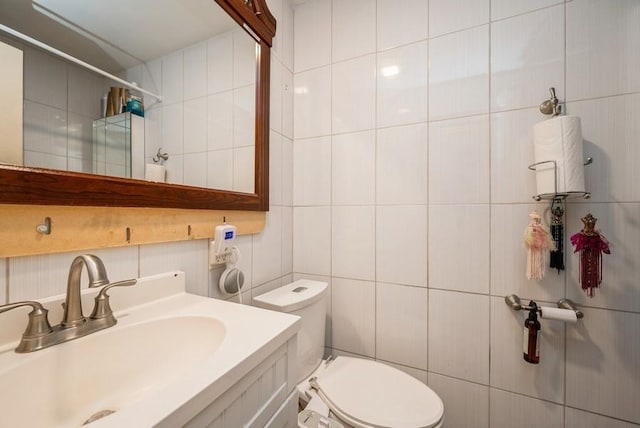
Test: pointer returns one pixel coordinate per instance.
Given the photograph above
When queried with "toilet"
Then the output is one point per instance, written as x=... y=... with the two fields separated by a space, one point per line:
x=357 y=392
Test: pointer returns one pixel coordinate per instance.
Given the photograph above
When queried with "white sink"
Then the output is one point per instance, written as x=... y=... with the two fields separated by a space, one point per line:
x=157 y=358
x=105 y=371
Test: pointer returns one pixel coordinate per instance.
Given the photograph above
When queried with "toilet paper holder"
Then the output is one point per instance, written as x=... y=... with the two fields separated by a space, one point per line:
x=513 y=301
x=559 y=195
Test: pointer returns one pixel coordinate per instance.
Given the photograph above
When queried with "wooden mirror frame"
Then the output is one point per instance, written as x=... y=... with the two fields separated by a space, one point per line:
x=40 y=186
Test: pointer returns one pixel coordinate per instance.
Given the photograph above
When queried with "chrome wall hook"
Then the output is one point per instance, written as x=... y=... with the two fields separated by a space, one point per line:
x=160 y=157
x=552 y=105
x=45 y=227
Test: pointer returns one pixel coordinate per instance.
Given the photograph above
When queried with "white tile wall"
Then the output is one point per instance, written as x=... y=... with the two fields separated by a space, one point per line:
x=353 y=242
x=267 y=249
x=312 y=31
x=49 y=89
x=446 y=16
x=173 y=78
x=401 y=258
x=621 y=269
x=401 y=325
x=579 y=419
x=463 y=143
x=459 y=74
x=459 y=345
x=401 y=23
x=312 y=240
x=45 y=129
x=527 y=58
x=275 y=168
x=603 y=364
x=501 y=9
x=508 y=255
x=243 y=169
x=458 y=234
x=220 y=169
x=312 y=171
x=353 y=316
x=244 y=59
x=312 y=91
x=220 y=63
x=458 y=84
x=594 y=69
x=509 y=410
x=244 y=116
x=286 y=29
x=220 y=121
x=195 y=71
x=172 y=130
x=275 y=105
x=353 y=37
x=287 y=239
x=84 y=89
x=188 y=256
x=287 y=103
x=195 y=125
x=353 y=95
x=511 y=154
x=610 y=134
x=42 y=276
x=509 y=370
x=353 y=158
x=466 y=404
x=401 y=165
x=196 y=174
x=287 y=171
x=401 y=83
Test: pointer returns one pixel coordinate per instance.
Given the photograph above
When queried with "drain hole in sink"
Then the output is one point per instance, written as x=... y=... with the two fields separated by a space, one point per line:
x=98 y=415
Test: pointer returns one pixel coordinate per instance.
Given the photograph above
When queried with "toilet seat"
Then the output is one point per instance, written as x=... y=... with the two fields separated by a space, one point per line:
x=366 y=393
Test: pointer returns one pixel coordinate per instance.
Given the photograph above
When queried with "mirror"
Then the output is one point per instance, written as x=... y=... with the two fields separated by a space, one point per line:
x=23 y=184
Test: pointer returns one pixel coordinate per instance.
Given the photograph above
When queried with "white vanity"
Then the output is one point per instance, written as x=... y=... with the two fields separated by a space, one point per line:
x=173 y=359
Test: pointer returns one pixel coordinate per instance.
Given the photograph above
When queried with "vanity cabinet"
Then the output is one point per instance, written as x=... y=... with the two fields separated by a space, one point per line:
x=264 y=397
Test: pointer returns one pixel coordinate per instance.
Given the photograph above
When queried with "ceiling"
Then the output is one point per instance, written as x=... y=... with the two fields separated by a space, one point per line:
x=114 y=34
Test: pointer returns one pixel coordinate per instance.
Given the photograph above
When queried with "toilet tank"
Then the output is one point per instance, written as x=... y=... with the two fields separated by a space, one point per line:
x=307 y=299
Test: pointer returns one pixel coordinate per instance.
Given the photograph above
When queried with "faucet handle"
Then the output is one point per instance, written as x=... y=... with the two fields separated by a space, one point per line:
x=102 y=309
x=38 y=325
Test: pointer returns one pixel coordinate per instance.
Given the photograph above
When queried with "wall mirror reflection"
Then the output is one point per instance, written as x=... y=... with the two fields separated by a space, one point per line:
x=191 y=54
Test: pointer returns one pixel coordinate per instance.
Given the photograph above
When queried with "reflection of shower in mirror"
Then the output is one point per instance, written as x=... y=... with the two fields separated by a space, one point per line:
x=118 y=146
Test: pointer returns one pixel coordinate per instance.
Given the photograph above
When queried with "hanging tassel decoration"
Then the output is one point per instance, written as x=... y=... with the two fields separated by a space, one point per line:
x=556 y=257
x=591 y=244
x=537 y=240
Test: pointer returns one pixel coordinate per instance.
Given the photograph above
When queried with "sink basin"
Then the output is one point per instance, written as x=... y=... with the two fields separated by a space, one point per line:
x=53 y=388
x=169 y=357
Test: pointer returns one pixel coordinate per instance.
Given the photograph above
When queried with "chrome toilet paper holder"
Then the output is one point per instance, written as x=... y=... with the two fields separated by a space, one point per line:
x=513 y=301
x=559 y=195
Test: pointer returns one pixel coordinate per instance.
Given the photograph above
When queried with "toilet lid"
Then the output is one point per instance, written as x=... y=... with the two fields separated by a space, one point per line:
x=375 y=394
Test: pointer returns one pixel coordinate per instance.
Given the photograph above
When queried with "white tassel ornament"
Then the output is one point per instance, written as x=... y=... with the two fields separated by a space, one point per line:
x=538 y=242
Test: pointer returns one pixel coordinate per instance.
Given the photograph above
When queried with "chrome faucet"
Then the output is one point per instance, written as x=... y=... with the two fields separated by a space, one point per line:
x=97 y=277
x=39 y=333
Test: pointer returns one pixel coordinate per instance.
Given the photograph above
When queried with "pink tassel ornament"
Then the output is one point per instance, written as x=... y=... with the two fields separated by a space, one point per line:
x=538 y=242
x=591 y=244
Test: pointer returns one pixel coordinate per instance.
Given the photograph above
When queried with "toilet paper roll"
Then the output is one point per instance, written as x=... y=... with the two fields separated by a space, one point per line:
x=560 y=314
x=155 y=172
x=559 y=139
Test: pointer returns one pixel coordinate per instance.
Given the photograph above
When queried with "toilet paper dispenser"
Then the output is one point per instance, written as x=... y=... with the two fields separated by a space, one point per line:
x=566 y=310
x=558 y=152
x=556 y=194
